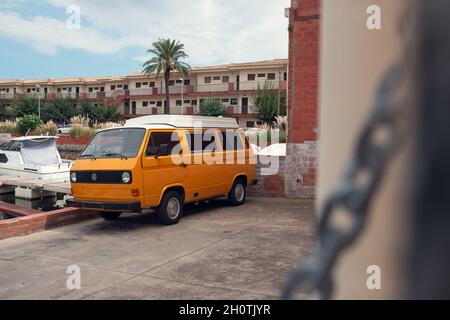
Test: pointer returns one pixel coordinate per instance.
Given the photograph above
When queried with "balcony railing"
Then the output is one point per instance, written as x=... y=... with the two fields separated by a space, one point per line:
x=115 y=93
x=7 y=95
x=210 y=88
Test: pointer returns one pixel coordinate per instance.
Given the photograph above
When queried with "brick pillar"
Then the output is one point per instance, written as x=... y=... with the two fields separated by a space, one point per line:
x=303 y=82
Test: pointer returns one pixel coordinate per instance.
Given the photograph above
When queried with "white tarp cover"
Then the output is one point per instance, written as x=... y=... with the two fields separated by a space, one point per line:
x=39 y=152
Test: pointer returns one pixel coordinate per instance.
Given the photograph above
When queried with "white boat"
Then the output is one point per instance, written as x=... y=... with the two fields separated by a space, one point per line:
x=34 y=157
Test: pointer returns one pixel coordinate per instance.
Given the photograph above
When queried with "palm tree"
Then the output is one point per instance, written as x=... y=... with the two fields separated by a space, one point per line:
x=167 y=55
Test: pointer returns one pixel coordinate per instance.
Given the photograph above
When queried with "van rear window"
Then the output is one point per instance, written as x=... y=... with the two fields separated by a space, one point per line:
x=231 y=141
x=201 y=141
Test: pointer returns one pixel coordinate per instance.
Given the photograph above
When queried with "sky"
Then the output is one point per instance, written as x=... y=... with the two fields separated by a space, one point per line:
x=82 y=38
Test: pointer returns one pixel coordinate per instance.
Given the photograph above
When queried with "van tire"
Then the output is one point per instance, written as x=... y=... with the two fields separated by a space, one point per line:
x=111 y=215
x=170 y=209
x=236 y=196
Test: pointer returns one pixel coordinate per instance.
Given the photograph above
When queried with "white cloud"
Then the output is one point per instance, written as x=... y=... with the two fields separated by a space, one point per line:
x=213 y=31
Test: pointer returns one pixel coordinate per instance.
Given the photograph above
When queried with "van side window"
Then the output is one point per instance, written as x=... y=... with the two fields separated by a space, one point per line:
x=201 y=141
x=158 y=138
x=231 y=141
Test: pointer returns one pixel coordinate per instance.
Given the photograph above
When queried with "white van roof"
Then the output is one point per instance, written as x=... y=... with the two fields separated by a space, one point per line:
x=179 y=121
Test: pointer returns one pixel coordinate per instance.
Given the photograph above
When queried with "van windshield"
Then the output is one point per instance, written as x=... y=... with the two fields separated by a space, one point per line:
x=115 y=143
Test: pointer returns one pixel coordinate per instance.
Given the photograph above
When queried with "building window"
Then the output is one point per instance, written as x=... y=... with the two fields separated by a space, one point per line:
x=28 y=90
x=178 y=103
x=102 y=89
x=193 y=102
x=125 y=87
x=201 y=101
x=64 y=89
x=250 y=124
x=119 y=86
x=285 y=76
x=58 y=90
x=113 y=88
x=226 y=100
x=70 y=89
x=152 y=84
x=271 y=76
x=159 y=104
x=96 y=88
x=207 y=79
x=145 y=84
x=138 y=84
x=225 y=79
x=187 y=82
x=91 y=89
x=251 y=77
x=179 y=81
x=187 y=101
x=145 y=104
x=234 y=101
x=171 y=83
x=152 y=102
x=261 y=75
x=216 y=78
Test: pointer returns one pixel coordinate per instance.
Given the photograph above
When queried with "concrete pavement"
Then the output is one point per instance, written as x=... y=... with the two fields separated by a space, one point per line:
x=215 y=252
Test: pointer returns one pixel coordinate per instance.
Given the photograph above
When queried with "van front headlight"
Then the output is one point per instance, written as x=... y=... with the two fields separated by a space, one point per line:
x=73 y=177
x=126 y=177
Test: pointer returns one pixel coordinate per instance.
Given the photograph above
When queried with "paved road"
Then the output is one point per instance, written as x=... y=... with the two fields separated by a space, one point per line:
x=215 y=252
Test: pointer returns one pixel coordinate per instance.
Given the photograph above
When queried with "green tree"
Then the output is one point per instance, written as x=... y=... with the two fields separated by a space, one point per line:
x=110 y=112
x=265 y=103
x=167 y=55
x=25 y=106
x=28 y=123
x=99 y=112
x=212 y=108
x=59 y=110
x=4 y=112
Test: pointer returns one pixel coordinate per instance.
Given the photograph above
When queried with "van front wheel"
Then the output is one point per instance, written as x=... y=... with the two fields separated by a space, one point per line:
x=111 y=215
x=238 y=192
x=171 y=208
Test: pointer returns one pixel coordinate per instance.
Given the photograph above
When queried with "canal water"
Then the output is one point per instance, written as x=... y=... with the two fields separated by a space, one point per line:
x=46 y=204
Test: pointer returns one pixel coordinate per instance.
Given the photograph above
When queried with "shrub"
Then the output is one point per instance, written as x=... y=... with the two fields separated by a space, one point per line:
x=50 y=128
x=8 y=127
x=28 y=123
x=81 y=131
x=80 y=120
x=212 y=108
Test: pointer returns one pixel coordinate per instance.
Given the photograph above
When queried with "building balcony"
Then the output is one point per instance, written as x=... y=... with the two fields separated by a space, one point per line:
x=228 y=87
x=7 y=96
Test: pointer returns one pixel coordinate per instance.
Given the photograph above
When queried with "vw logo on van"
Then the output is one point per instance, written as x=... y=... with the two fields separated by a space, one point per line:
x=94 y=177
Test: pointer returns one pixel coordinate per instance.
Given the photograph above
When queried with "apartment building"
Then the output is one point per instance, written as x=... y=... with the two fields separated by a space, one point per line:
x=138 y=94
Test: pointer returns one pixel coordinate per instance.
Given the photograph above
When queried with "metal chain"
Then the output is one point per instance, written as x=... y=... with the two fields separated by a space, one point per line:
x=370 y=158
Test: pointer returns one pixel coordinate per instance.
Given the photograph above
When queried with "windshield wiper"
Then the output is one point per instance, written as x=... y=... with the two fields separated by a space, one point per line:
x=114 y=154
x=87 y=156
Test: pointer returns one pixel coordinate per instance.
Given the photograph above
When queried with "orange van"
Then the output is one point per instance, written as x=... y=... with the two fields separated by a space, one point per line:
x=163 y=162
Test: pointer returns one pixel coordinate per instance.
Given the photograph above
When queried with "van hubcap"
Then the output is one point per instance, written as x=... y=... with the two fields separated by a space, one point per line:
x=173 y=208
x=239 y=192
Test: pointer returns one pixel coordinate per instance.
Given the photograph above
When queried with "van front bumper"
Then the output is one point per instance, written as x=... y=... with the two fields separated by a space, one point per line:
x=105 y=206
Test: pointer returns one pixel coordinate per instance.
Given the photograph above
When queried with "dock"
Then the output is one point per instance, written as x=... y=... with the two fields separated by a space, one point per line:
x=35 y=186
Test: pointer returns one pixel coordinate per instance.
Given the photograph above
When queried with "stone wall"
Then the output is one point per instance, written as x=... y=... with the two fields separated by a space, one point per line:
x=273 y=184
